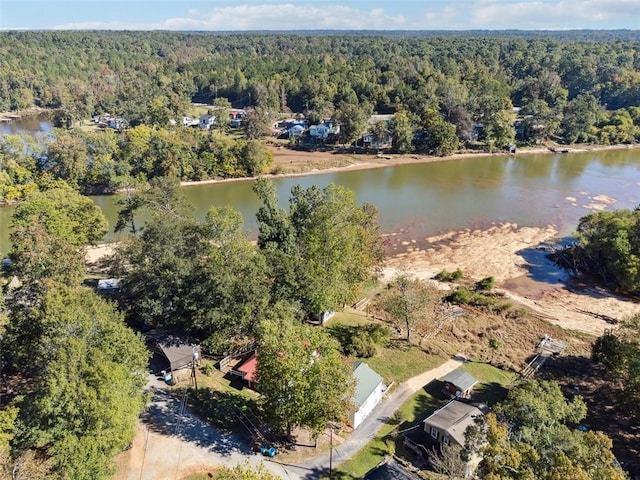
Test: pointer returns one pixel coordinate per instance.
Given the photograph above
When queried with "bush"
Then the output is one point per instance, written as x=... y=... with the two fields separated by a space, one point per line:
x=379 y=333
x=445 y=276
x=207 y=369
x=363 y=345
x=486 y=284
x=463 y=296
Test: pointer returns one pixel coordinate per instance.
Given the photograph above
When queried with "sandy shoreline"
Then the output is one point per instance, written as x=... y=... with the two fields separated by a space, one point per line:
x=323 y=162
x=502 y=251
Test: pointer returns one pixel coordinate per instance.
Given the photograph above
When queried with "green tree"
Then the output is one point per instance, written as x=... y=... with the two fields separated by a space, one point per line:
x=257 y=123
x=609 y=246
x=86 y=371
x=67 y=158
x=255 y=158
x=619 y=352
x=407 y=301
x=329 y=244
x=352 y=119
x=402 y=132
x=50 y=230
x=579 y=117
x=439 y=135
x=205 y=278
x=302 y=377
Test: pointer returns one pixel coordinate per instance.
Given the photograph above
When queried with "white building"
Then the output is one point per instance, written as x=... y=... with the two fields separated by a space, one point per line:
x=369 y=390
x=206 y=121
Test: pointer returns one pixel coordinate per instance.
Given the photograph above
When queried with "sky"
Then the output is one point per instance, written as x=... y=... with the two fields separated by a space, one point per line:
x=242 y=15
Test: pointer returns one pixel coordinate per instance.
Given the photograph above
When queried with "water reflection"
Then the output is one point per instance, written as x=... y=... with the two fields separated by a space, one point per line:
x=463 y=193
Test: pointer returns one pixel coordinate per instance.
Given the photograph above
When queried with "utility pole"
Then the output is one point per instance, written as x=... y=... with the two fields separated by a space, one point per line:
x=331 y=451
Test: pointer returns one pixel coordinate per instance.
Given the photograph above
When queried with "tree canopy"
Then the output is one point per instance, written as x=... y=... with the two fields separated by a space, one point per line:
x=85 y=372
x=302 y=377
x=608 y=245
x=533 y=435
x=326 y=244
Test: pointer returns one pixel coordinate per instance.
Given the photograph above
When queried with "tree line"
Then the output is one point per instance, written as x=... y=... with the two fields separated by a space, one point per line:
x=444 y=91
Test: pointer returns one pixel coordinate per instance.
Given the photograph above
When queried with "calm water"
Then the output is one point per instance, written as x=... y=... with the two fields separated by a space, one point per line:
x=431 y=198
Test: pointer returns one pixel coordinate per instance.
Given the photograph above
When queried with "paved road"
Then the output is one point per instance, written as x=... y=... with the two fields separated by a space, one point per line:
x=172 y=442
x=380 y=416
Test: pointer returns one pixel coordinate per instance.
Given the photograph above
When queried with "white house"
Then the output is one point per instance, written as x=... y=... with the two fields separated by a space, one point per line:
x=369 y=390
x=323 y=130
x=206 y=121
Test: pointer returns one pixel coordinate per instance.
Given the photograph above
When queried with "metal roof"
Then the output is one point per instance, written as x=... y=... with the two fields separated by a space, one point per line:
x=461 y=379
x=366 y=382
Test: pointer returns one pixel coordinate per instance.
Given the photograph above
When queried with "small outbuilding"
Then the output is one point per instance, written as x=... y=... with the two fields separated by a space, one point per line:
x=179 y=352
x=369 y=390
x=247 y=370
x=458 y=384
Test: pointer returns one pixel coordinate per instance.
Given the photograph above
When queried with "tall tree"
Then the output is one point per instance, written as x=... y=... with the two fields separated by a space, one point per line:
x=407 y=301
x=352 y=118
x=402 y=132
x=332 y=243
x=50 y=230
x=302 y=377
x=86 y=371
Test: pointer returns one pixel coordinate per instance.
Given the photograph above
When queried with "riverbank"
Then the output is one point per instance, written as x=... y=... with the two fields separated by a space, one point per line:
x=297 y=163
x=513 y=255
x=18 y=114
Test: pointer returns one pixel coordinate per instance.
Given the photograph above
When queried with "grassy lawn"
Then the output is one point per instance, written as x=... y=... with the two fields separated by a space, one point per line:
x=401 y=363
x=396 y=362
x=493 y=383
x=492 y=387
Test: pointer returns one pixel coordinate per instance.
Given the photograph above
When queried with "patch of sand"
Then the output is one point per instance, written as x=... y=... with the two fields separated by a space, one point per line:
x=495 y=252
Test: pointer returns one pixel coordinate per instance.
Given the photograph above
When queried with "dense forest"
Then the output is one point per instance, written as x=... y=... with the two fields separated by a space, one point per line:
x=473 y=90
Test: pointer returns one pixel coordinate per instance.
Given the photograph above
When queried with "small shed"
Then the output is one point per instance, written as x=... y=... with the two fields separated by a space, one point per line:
x=179 y=352
x=247 y=370
x=369 y=390
x=458 y=384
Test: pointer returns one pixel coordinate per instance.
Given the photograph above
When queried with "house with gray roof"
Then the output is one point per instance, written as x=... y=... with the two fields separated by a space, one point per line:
x=458 y=384
x=446 y=426
x=369 y=390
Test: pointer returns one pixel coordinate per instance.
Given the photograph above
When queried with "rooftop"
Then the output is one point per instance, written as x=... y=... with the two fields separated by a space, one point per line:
x=249 y=367
x=366 y=382
x=461 y=379
x=454 y=418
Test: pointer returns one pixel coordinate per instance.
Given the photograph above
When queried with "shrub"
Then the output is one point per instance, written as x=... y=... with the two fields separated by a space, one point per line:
x=463 y=296
x=486 y=284
x=445 y=276
x=363 y=345
x=207 y=369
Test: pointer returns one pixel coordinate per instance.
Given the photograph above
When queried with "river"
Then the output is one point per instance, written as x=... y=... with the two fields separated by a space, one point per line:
x=431 y=198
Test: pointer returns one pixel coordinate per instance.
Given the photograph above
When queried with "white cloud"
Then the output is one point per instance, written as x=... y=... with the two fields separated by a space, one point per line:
x=401 y=14
x=285 y=16
x=535 y=15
